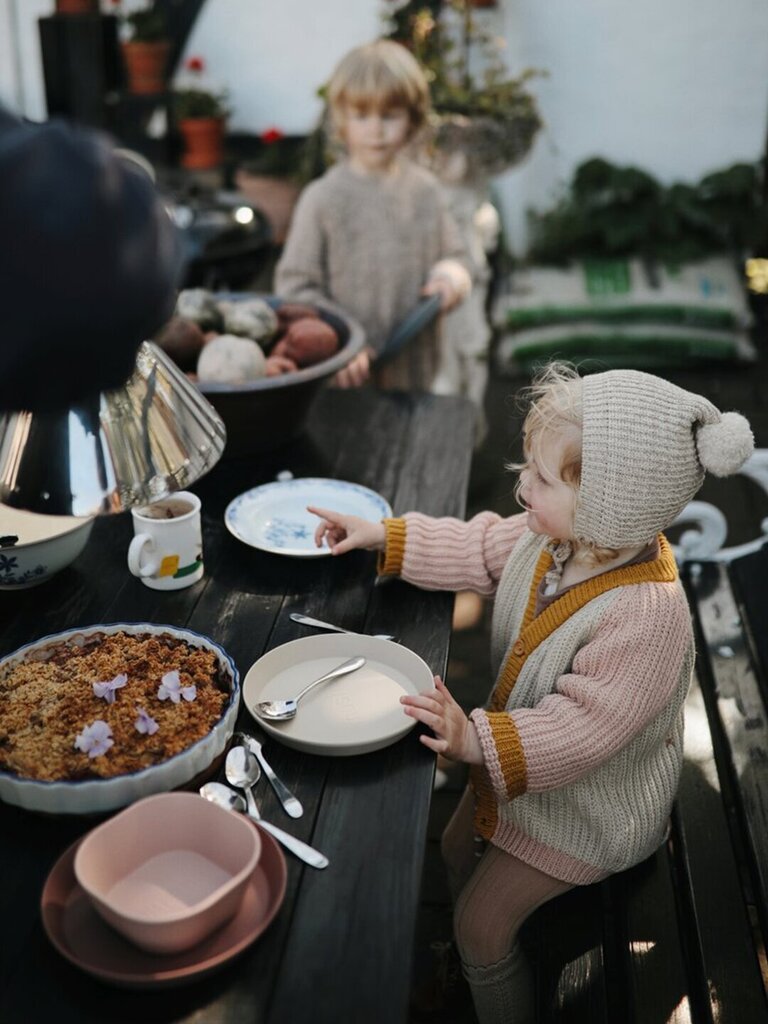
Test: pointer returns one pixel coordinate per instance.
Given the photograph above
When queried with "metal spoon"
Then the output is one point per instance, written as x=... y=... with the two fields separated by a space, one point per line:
x=282 y=710
x=227 y=798
x=291 y=805
x=305 y=620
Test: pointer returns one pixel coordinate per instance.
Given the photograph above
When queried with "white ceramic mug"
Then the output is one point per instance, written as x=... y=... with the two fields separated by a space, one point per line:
x=166 y=552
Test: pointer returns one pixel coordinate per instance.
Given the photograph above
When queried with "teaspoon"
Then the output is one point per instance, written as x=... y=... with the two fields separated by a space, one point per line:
x=227 y=798
x=283 y=710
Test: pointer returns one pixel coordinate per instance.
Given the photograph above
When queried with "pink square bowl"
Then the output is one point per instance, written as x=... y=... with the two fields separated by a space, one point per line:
x=168 y=870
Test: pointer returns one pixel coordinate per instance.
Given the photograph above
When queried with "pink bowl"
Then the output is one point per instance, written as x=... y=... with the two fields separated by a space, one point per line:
x=169 y=870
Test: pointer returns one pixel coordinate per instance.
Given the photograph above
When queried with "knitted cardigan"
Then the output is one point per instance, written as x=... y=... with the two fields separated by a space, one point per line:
x=582 y=736
x=365 y=245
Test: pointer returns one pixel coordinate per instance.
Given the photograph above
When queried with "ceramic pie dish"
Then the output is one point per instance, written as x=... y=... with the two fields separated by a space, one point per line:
x=98 y=795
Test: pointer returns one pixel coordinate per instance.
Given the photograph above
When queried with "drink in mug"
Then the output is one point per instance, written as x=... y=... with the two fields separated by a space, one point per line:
x=166 y=552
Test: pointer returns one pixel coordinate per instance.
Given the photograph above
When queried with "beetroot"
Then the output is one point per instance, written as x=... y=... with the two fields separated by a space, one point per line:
x=308 y=341
x=287 y=312
x=277 y=365
x=182 y=340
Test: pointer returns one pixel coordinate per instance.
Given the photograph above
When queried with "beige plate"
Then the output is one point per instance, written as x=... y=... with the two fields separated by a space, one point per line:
x=351 y=715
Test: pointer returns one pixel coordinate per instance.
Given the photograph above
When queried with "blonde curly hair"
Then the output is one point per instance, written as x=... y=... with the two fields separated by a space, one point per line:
x=554 y=401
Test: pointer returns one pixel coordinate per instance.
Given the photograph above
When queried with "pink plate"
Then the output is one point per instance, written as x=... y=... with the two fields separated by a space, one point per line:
x=80 y=935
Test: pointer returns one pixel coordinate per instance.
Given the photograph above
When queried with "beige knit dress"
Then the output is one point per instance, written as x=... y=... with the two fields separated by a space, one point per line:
x=365 y=246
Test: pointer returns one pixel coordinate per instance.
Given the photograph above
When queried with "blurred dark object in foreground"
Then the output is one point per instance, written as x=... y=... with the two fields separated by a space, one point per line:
x=225 y=241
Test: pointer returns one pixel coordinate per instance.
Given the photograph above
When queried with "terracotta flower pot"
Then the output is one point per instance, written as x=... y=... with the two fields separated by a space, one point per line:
x=145 y=64
x=203 y=142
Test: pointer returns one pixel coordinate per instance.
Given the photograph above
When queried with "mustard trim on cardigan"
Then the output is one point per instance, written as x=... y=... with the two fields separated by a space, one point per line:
x=661 y=570
x=390 y=560
x=517 y=656
x=536 y=629
x=510 y=749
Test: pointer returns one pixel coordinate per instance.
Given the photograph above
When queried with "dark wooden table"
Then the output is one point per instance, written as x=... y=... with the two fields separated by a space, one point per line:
x=340 y=949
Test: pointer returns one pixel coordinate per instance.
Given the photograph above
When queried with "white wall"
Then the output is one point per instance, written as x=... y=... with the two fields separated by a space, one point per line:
x=274 y=54
x=21 y=75
x=678 y=87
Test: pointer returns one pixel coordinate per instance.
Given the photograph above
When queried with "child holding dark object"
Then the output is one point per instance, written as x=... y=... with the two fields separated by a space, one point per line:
x=374 y=234
x=576 y=756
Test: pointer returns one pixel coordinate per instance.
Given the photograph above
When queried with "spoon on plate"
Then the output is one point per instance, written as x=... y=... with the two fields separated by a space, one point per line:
x=283 y=710
x=227 y=798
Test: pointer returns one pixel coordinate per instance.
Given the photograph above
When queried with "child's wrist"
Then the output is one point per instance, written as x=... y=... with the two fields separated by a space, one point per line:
x=473 y=749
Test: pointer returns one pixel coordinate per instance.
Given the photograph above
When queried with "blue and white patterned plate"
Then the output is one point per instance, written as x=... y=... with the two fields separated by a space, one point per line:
x=274 y=517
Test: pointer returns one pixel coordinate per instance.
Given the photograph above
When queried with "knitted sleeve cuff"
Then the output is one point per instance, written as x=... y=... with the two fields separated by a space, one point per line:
x=390 y=561
x=456 y=273
x=502 y=751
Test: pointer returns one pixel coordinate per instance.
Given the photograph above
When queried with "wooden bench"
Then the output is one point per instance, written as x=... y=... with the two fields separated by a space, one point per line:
x=681 y=937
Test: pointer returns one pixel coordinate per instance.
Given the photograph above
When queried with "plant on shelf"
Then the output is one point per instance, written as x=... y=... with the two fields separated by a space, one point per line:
x=200 y=114
x=145 y=49
x=615 y=212
x=482 y=112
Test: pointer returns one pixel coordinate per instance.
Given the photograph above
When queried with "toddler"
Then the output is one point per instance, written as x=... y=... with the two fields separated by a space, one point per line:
x=373 y=234
x=576 y=756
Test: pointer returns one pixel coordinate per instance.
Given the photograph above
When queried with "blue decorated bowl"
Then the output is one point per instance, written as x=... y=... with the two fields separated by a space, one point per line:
x=33 y=547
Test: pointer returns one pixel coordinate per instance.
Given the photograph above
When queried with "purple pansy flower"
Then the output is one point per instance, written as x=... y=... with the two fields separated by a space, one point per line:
x=171 y=689
x=145 y=723
x=95 y=739
x=107 y=690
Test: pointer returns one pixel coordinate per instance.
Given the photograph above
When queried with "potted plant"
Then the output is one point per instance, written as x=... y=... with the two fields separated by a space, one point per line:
x=145 y=50
x=200 y=115
x=485 y=119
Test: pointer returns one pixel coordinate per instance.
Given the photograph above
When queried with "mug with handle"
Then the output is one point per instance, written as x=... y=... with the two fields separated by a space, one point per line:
x=166 y=552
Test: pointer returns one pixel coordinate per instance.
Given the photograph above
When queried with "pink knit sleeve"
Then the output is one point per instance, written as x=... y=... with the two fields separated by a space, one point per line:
x=449 y=554
x=619 y=682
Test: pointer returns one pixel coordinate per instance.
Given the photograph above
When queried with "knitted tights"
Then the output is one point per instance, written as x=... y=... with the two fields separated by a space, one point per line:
x=493 y=894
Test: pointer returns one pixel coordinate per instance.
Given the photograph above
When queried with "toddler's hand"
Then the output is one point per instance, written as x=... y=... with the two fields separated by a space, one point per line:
x=356 y=372
x=443 y=286
x=345 y=533
x=455 y=736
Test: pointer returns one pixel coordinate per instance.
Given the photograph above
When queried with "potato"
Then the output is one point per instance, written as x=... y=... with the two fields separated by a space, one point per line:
x=199 y=306
x=182 y=340
x=308 y=341
x=250 y=318
x=231 y=360
x=290 y=311
x=277 y=365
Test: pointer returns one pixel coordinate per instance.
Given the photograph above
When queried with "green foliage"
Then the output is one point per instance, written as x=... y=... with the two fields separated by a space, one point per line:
x=198 y=103
x=449 y=58
x=613 y=211
x=147 y=25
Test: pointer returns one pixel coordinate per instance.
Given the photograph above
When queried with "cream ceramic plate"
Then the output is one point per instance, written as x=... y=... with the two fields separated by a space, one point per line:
x=274 y=517
x=351 y=715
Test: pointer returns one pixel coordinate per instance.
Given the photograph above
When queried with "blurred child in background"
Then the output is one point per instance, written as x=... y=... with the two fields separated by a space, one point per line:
x=374 y=234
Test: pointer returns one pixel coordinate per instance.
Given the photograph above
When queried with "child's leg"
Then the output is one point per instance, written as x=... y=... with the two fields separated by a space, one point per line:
x=458 y=845
x=493 y=894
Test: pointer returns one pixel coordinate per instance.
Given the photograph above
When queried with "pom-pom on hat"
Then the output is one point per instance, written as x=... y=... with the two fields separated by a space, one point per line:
x=646 y=444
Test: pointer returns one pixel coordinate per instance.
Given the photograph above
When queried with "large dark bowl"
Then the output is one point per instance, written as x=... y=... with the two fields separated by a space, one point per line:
x=263 y=414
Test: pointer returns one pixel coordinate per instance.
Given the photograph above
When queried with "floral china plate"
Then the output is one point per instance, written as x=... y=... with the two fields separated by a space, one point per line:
x=274 y=517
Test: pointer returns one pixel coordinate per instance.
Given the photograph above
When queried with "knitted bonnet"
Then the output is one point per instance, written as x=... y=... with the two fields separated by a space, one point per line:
x=646 y=444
